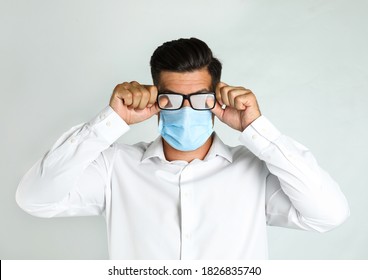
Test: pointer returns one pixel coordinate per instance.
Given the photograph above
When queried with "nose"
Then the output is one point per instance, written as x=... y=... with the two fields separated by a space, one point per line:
x=186 y=103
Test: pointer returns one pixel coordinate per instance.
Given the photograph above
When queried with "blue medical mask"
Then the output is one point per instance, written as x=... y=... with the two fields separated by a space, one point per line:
x=185 y=129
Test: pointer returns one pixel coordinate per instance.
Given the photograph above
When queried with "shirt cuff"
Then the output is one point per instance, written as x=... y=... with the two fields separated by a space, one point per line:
x=109 y=125
x=259 y=135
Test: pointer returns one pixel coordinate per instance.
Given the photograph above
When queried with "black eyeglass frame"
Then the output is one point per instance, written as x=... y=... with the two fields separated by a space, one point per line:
x=186 y=97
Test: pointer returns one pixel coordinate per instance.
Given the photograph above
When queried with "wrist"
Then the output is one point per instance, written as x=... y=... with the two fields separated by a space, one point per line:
x=250 y=119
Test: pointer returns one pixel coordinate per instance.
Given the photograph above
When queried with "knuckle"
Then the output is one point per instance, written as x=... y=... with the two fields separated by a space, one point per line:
x=221 y=84
x=127 y=96
x=117 y=88
x=152 y=90
x=138 y=94
x=147 y=95
x=224 y=90
x=238 y=99
x=142 y=105
x=125 y=85
x=218 y=86
x=233 y=93
x=127 y=99
x=238 y=102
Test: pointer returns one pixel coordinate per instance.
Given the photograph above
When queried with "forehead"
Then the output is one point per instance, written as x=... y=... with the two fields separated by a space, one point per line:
x=186 y=82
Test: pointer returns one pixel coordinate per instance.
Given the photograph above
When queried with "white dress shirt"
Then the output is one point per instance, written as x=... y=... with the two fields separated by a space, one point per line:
x=216 y=208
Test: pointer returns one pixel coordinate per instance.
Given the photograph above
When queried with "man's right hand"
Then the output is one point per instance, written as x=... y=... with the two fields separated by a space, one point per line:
x=134 y=102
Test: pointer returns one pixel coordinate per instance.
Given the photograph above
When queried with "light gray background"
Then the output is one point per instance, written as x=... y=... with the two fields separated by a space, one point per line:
x=306 y=61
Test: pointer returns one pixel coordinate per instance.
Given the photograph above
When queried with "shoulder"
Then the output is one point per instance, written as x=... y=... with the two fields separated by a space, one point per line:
x=124 y=151
x=231 y=153
x=241 y=152
x=130 y=149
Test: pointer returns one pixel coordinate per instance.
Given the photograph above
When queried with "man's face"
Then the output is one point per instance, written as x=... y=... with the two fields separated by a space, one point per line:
x=185 y=83
x=180 y=138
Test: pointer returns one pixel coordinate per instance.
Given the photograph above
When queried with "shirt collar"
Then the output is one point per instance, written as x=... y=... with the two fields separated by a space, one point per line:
x=218 y=148
x=154 y=149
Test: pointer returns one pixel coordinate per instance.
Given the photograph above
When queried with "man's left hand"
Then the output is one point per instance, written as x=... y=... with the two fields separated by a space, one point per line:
x=240 y=109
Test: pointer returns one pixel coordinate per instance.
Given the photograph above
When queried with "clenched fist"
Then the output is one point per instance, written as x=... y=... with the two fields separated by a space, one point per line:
x=241 y=107
x=134 y=102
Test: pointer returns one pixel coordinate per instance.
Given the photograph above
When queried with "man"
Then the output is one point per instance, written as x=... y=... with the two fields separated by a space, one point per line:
x=186 y=195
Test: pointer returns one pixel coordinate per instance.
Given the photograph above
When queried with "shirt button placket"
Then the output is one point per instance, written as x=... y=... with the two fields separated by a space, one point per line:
x=186 y=203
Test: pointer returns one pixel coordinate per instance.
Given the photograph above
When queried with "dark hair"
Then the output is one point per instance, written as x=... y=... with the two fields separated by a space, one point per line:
x=185 y=55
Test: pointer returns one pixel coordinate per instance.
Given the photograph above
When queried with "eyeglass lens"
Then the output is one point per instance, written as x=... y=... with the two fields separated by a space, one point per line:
x=203 y=101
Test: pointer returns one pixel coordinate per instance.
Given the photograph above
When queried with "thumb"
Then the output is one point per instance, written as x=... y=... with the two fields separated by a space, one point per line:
x=218 y=111
x=154 y=109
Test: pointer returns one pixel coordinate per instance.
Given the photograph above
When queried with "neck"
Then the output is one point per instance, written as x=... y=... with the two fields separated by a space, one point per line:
x=172 y=154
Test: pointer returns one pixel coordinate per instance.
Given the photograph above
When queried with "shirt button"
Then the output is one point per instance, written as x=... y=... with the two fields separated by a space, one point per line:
x=187 y=236
x=254 y=136
x=72 y=140
x=108 y=123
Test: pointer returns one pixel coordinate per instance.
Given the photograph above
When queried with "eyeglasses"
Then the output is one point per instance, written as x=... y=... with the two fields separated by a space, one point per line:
x=174 y=101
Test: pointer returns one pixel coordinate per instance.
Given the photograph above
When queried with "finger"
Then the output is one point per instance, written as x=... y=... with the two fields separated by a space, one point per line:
x=117 y=95
x=154 y=109
x=235 y=92
x=218 y=111
x=137 y=93
x=164 y=101
x=240 y=102
x=144 y=99
x=153 y=94
x=127 y=97
x=121 y=92
x=210 y=101
x=224 y=92
x=243 y=101
x=124 y=85
x=135 y=84
x=218 y=92
x=136 y=96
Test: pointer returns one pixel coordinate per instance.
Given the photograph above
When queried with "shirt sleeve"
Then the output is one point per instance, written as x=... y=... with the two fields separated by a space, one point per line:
x=71 y=178
x=299 y=194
